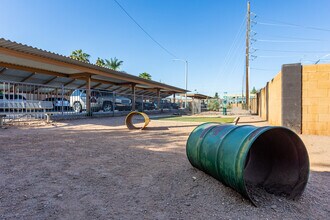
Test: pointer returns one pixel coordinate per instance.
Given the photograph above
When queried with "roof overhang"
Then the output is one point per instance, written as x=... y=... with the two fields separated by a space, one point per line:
x=198 y=96
x=33 y=60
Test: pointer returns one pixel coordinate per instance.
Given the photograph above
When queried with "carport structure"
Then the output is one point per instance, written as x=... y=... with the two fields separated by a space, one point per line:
x=198 y=96
x=197 y=102
x=22 y=63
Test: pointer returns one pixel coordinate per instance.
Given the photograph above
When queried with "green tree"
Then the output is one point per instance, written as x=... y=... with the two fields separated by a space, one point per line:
x=80 y=55
x=213 y=105
x=100 y=62
x=145 y=75
x=216 y=95
x=113 y=63
x=254 y=91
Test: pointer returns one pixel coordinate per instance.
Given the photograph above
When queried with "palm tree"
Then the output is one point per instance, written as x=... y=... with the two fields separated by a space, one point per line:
x=80 y=55
x=100 y=62
x=145 y=75
x=113 y=63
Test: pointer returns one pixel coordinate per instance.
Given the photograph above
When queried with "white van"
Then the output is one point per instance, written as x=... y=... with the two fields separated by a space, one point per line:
x=20 y=103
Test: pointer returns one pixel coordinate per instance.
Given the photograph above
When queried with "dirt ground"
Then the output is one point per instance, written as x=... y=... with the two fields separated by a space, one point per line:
x=97 y=169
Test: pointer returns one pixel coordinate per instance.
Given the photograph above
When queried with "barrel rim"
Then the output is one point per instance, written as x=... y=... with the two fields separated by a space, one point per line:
x=250 y=143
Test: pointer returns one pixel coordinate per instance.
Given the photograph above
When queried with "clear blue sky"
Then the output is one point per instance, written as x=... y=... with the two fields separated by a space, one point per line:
x=200 y=31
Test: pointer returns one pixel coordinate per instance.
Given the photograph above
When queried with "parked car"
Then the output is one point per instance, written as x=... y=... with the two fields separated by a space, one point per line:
x=168 y=105
x=100 y=100
x=146 y=106
x=175 y=106
x=121 y=103
x=59 y=102
x=150 y=106
x=16 y=102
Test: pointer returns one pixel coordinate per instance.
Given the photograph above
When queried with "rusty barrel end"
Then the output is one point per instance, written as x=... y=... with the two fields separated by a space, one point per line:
x=129 y=120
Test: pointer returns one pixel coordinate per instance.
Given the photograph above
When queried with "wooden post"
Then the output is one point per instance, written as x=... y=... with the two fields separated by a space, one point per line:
x=192 y=106
x=113 y=103
x=158 y=99
x=173 y=97
x=88 y=96
x=142 y=108
x=133 y=97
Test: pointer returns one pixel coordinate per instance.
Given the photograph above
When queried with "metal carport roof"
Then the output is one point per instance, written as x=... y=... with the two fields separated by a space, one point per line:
x=22 y=63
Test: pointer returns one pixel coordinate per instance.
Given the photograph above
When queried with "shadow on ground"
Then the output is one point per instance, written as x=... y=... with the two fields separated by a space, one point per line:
x=97 y=171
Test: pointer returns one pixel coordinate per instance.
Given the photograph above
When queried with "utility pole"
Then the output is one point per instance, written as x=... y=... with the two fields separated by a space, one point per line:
x=247 y=55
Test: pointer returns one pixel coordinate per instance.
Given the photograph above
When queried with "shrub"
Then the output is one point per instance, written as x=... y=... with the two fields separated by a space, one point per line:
x=213 y=105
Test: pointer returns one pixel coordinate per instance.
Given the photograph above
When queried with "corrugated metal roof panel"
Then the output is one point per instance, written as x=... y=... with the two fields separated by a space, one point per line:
x=10 y=78
x=50 y=55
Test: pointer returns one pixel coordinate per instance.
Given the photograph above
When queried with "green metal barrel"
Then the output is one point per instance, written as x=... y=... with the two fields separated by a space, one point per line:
x=248 y=158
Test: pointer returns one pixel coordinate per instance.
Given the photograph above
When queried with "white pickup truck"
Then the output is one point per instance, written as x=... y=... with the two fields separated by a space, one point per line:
x=15 y=102
x=100 y=100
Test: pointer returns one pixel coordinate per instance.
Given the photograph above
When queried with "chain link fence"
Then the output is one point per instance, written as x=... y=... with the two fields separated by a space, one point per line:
x=22 y=102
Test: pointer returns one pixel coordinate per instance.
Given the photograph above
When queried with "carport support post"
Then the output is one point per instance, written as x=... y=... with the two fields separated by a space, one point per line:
x=142 y=108
x=158 y=99
x=62 y=97
x=133 y=97
x=113 y=103
x=192 y=106
x=173 y=97
x=88 y=96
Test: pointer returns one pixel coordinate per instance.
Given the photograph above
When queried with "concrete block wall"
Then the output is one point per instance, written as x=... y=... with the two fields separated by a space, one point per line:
x=291 y=96
x=316 y=99
x=299 y=98
x=262 y=96
x=254 y=105
x=275 y=100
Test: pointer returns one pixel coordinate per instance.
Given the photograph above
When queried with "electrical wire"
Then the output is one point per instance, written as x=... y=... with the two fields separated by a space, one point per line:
x=292 y=51
x=153 y=39
x=232 y=53
x=284 y=41
x=295 y=38
x=261 y=69
x=243 y=84
x=233 y=45
x=275 y=56
x=234 y=61
x=238 y=60
x=285 y=24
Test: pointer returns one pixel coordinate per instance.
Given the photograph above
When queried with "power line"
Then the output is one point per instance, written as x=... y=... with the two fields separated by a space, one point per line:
x=299 y=25
x=284 y=41
x=233 y=46
x=243 y=82
x=273 y=24
x=237 y=60
x=153 y=39
x=261 y=69
x=293 y=51
x=232 y=53
x=275 y=56
x=285 y=24
x=295 y=38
